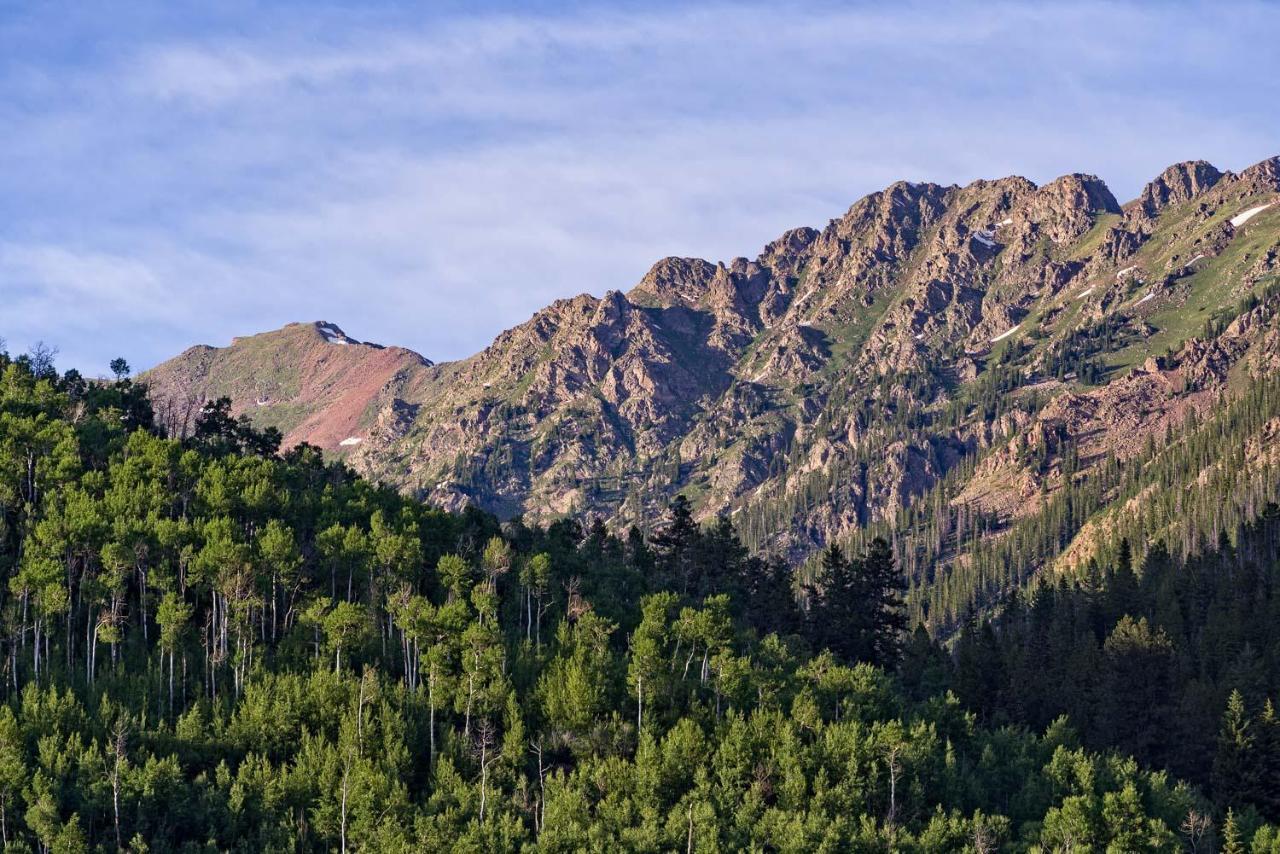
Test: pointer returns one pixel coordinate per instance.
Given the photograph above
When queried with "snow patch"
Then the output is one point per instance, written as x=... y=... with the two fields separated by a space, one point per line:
x=1084 y=294
x=919 y=336
x=350 y=440
x=1005 y=334
x=1241 y=218
x=984 y=237
x=1006 y=221
x=1144 y=299
x=1126 y=271
x=333 y=334
x=1193 y=260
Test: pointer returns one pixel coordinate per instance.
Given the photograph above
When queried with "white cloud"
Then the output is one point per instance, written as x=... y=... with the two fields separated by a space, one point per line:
x=60 y=281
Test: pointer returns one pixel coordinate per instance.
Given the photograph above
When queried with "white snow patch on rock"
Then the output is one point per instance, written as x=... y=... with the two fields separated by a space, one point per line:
x=1241 y=218
x=333 y=334
x=351 y=440
x=1005 y=334
x=1144 y=299
x=1084 y=294
x=1126 y=271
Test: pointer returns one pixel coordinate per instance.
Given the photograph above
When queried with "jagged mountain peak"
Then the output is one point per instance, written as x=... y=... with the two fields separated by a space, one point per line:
x=1263 y=176
x=676 y=281
x=835 y=378
x=1179 y=183
x=1092 y=189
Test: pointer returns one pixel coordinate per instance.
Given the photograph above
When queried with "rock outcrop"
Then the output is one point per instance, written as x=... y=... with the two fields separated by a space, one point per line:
x=835 y=378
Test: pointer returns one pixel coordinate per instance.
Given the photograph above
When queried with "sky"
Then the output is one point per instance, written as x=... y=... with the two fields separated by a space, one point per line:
x=431 y=174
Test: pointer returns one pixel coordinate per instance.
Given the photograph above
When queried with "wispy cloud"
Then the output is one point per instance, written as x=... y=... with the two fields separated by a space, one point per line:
x=429 y=179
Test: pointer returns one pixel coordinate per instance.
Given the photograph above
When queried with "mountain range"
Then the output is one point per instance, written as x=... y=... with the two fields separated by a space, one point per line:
x=938 y=360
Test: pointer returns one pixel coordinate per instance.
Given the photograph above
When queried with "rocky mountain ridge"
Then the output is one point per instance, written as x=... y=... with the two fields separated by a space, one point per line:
x=836 y=378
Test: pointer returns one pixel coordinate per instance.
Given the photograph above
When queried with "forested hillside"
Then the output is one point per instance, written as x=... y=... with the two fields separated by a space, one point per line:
x=210 y=645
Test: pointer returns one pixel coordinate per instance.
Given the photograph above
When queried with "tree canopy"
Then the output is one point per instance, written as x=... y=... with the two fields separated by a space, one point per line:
x=207 y=644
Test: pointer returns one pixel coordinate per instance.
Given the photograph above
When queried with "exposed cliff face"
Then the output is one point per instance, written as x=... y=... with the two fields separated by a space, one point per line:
x=1176 y=185
x=833 y=379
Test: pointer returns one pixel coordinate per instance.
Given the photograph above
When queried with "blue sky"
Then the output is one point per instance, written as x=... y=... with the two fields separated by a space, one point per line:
x=429 y=174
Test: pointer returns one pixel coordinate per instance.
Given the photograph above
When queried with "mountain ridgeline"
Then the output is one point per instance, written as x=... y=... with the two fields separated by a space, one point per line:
x=987 y=376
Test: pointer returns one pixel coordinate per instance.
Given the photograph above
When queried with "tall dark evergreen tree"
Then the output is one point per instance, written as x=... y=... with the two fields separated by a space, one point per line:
x=856 y=607
x=837 y=607
x=886 y=617
x=675 y=542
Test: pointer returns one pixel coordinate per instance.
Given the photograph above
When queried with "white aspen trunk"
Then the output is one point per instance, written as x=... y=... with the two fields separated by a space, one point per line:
x=346 y=775
x=466 y=729
x=142 y=595
x=431 y=703
x=88 y=644
x=484 y=775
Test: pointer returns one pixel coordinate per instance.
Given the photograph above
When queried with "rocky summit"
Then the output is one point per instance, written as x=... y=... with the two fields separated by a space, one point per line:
x=979 y=347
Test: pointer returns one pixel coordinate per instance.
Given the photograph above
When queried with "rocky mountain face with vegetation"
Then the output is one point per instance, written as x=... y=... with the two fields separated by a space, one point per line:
x=947 y=365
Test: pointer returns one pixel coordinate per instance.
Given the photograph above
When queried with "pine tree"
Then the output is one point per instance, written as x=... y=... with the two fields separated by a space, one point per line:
x=1232 y=843
x=886 y=617
x=1237 y=767
x=675 y=543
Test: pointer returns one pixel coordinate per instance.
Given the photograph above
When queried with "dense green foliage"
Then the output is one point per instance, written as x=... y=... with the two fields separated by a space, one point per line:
x=1174 y=663
x=210 y=646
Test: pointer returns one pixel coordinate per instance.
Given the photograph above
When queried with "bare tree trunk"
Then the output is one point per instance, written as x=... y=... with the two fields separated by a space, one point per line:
x=115 y=780
x=539 y=818
x=431 y=702
x=142 y=596
x=894 y=770
x=466 y=729
x=484 y=775
x=88 y=644
x=346 y=779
